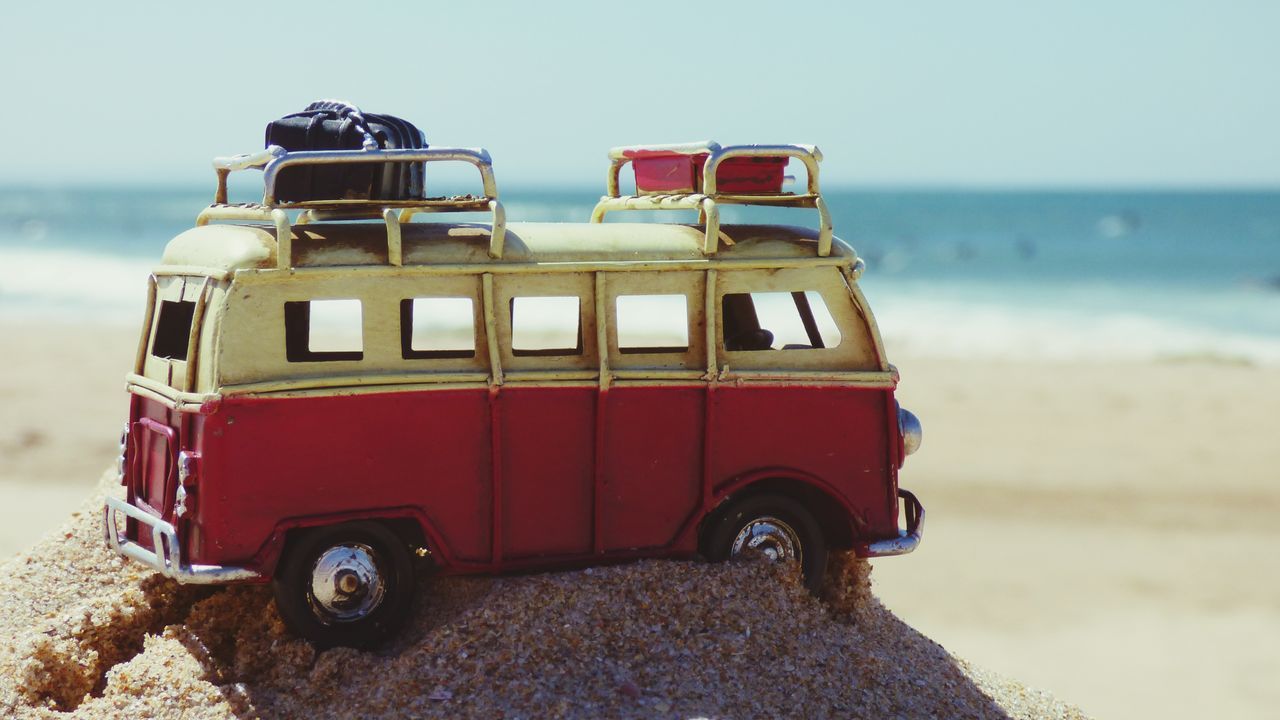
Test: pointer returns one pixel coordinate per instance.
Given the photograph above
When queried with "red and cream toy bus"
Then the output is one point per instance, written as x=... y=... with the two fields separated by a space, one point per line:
x=320 y=402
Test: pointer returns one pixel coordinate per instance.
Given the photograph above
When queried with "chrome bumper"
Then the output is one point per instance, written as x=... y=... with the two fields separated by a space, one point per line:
x=166 y=558
x=908 y=539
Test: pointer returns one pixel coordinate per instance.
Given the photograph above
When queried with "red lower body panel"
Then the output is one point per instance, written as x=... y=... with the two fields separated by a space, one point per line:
x=578 y=475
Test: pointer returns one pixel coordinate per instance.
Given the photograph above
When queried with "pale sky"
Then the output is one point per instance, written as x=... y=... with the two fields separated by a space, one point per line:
x=949 y=93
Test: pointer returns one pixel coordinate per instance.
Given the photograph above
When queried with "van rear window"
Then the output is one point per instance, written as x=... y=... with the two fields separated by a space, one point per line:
x=173 y=330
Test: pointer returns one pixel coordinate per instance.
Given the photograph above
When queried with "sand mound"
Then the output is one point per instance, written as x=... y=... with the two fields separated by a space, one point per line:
x=91 y=635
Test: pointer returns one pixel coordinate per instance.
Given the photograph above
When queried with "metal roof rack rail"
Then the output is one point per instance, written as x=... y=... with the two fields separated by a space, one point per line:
x=703 y=193
x=392 y=212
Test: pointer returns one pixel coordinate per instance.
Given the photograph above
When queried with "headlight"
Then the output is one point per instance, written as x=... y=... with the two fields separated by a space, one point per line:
x=909 y=426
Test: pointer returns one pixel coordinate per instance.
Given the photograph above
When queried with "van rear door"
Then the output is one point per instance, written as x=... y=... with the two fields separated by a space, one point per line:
x=154 y=462
x=546 y=415
x=167 y=358
x=653 y=413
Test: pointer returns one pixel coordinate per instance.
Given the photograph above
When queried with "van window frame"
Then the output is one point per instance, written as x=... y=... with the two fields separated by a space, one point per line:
x=801 y=310
x=692 y=285
x=193 y=370
x=432 y=285
x=251 y=337
x=408 y=352
x=855 y=352
x=507 y=286
x=298 y=330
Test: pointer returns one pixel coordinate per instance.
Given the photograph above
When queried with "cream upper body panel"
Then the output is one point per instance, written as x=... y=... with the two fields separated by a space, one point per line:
x=228 y=248
x=245 y=327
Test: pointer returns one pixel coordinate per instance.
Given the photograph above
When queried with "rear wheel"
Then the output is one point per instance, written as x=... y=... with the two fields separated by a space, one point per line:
x=775 y=526
x=348 y=584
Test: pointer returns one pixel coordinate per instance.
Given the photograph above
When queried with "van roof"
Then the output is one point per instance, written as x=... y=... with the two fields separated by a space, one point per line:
x=227 y=247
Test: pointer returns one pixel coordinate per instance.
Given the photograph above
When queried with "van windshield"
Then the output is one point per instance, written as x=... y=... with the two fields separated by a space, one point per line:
x=778 y=321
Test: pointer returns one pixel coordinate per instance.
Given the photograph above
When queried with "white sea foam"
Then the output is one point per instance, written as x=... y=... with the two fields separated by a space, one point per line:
x=72 y=285
x=937 y=327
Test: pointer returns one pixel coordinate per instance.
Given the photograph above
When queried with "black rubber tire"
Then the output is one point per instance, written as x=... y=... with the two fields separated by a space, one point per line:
x=725 y=526
x=292 y=585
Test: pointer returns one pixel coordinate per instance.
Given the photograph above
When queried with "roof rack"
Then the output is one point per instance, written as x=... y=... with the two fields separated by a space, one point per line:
x=703 y=192
x=392 y=212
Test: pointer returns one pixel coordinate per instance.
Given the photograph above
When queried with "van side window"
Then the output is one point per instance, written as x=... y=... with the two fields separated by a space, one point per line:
x=546 y=326
x=323 y=330
x=437 y=327
x=173 y=329
x=653 y=324
x=778 y=321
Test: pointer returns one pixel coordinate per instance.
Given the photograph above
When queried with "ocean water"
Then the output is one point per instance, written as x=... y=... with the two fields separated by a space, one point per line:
x=1023 y=275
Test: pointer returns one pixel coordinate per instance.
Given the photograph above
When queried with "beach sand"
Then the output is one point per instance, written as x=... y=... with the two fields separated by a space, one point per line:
x=1102 y=531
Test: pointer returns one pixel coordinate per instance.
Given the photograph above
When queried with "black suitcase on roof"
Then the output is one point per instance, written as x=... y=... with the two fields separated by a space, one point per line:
x=336 y=125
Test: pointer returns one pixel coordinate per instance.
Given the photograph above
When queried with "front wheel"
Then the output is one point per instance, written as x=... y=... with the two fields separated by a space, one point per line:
x=774 y=526
x=348 y=584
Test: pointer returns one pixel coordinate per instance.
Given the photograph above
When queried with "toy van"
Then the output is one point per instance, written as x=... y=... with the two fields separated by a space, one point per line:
x=326 y=391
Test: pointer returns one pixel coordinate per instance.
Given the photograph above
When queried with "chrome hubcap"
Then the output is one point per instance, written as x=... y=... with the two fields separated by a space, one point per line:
x=345 y=583
x=769 y=536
